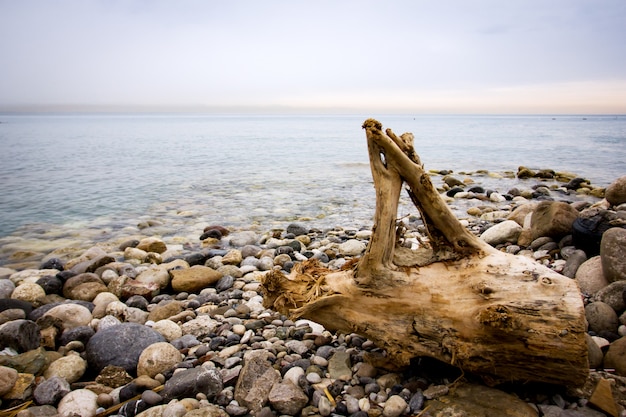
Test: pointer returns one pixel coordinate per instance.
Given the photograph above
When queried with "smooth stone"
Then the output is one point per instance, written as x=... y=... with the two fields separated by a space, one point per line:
x=601 y=317
x=324 y=406
x=156 y=274
x=613 y=295
x=71 y=368
x=394 y=406
x=20 y=335
x=168 y=329
x=31 y=362
x=573 y=262
x=6 y=287
x=351 y=247
x=30 y=275
x=232 y=257
x=194 y=279
x=81 y=402
x=615 y=357
x=30 y=292
x=83 y=287
x=594 y=351
x=287 y=398
x=244 y=238
x=165 y=310
x=613 y=254
x=590 y=277
x=506 y=231
x=8 y=378
x=70 y=315
x=553 y=219
x=152 y=244
x=615 y=193
x=293 y=375
x=120 y=345
x=297 y=229
x=158 y=358
x=200 y=327
x=190 y=382
x=602 y=398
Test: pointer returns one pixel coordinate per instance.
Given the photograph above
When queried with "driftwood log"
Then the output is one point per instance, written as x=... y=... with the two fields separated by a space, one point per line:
x=455 y=298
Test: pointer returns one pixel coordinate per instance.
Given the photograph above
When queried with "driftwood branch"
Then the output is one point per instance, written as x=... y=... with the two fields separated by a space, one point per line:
x=457 y=299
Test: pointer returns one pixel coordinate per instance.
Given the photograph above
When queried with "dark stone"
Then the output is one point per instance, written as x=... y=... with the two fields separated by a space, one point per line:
x=588 y=229
x=453 y=191
x=212 y=233
x=132 y=243
x=10 y=304
x=65 y=275
x=189 y=383
x=196 y=259
x=416 y=402
x=80 y=333
x=297 y=229
x=132 y=408
x=185 y=342
x=137 y=301
x=53 y=263
x=477 y=190
x=129 y=391
x=20 y=335
x=50 y=284
x=224 y=283
x=120 y=345
x=575 y=183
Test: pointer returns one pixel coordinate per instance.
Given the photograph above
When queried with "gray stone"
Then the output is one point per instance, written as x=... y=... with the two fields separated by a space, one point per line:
x=573 y=262
x=613 y=295
x=120 y=345
x=339 y=366
x=190 y=382
x=352 y=247
x=50 y=391
x=297 y=229
x=601 y=317
x=394 y=406
x=613 y=254
x=20 y=335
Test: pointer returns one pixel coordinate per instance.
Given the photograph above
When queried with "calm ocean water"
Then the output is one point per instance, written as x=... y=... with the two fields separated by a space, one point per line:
x=109 y=171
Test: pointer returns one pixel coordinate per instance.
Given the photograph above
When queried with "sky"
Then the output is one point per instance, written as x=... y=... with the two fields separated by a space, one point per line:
x=339 y=56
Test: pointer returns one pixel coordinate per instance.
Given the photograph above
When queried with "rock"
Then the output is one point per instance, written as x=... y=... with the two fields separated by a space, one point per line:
x=297 y=229
x=83 y=287
x=120 y=345
x=602 y=398
x=20 y=335
x=194 y=279
x=22 y=389
x=506 y=231
x=589 y=227
x=31 y=362
x=168 y=329
x=113 y=376
x=287 y=399
x=590 y=277
x=29 y=292
x=199 y=327
x=596 y=356
x=613 y=295
x=70 y=315
x=394 y=406
x=165 y=310
x=152 y=244
x=156 y=274
x=573 y=262
x=190 y=382
x=553 y=219
x=339 y=366
x=158 y=358
x=478 y=400
x=6 y=288
x=244 y=238
x=613 y=254
x=615 y=357
x=233 y=257
x=616 y=192
x=8 y=378
x=255 y=380
x=601 y=317
x=81 y=402
x=293 y=375
x=351 y=247
x=50 y=391
x=71 y=368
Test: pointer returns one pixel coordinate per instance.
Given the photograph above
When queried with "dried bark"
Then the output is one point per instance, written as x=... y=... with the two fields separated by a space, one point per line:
x=456 y=299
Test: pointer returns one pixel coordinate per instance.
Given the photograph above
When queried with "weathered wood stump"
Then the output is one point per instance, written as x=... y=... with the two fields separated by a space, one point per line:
x=456 y=299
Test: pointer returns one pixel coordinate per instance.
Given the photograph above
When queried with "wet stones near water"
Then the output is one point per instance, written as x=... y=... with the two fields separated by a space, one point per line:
x=209 y=346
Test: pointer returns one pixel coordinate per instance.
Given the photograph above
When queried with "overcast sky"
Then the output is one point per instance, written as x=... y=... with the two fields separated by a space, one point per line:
x=413 y=56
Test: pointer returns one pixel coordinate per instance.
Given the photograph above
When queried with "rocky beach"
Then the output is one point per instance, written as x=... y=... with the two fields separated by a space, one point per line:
x=152 y=320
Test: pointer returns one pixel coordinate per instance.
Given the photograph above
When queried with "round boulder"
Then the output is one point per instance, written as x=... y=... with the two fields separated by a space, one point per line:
x=120 y=345
x=157 y=358
x=20 y=335
x=616 y=192
x=506 y=231
x=70 y=368
x=615 y=357
x=590 y=277
x=553 y=219
x=613 y=254
x=601 y=317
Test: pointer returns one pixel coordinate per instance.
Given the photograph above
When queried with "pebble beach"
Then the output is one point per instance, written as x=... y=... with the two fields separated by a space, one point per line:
x=164 y=315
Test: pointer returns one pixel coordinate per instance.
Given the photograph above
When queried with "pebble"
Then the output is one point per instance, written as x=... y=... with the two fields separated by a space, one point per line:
x=190 y=317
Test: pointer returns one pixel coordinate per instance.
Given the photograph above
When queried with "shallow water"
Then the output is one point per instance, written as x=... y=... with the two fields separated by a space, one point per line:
x=106 y=172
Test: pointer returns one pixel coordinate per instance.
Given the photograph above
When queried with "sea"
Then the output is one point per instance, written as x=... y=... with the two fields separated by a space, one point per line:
x=111 y=172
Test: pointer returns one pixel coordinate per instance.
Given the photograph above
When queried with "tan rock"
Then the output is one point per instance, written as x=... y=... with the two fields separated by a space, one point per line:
x=194 y=279
x=70 y=367
x=152 y=244
x=30 y=292
x=158 y=358
x=616 y=192
x=602 y=398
